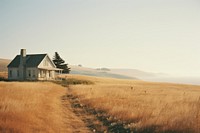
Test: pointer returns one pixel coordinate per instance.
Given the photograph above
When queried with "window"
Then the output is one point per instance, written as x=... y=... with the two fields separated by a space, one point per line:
x=10 y=73
x=29 y=73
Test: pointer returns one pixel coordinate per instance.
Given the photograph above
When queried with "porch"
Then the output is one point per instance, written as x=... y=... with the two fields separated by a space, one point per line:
x=48 y=73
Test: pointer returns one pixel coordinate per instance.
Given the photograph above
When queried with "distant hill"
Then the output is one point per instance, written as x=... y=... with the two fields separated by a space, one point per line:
x=136 y=73
x=99 y=72
x=114 y=73
x=3 y=64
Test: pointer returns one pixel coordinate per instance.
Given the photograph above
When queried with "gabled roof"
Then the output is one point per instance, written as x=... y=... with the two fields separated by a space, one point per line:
x=31 y=60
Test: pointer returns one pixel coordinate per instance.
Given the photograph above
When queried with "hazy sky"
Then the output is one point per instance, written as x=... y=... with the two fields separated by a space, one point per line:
x=151 y=35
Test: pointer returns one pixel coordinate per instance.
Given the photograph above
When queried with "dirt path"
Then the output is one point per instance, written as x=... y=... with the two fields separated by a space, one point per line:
x=96 y=121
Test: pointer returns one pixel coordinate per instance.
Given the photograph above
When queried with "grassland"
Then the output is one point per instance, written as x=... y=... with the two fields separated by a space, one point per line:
x=140 y=106
x=36 y=107
x=143 y=106
x=3 y=64
x=3 y=75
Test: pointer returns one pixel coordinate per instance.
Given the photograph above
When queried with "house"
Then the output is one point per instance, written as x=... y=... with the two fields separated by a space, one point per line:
x=32 y=67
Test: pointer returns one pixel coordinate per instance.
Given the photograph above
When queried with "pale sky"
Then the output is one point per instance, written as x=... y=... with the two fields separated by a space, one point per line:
x=150 y=35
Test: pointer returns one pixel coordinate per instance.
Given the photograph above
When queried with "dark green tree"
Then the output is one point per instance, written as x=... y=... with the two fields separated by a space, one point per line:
x=60 y=63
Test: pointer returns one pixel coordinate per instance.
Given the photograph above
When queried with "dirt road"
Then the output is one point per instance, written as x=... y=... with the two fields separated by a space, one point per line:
x=96 y=121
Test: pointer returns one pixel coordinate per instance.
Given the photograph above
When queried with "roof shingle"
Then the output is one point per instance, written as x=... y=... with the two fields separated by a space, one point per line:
x=31 y=60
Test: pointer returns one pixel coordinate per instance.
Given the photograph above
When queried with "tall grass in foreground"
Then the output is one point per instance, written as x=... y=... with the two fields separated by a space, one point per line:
x=157 y=107
x=36 y=108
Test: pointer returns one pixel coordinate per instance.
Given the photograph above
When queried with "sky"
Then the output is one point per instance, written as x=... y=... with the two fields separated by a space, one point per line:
x=150 y=35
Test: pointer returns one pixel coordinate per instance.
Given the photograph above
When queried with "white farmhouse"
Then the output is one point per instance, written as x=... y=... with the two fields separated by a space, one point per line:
x=32 y=67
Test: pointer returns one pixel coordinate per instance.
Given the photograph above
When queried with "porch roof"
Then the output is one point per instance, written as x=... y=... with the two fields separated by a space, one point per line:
x=50 y=68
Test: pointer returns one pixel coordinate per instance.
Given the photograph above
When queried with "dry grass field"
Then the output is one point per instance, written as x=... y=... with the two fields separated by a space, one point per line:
x=3 y=75
x=143 y=106
x=29 y=107
x=36 y=107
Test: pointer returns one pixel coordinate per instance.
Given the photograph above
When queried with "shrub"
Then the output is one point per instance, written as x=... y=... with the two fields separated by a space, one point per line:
x=73 y=81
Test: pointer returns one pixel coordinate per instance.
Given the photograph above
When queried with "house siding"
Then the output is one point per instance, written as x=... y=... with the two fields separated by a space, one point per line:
x=32 y=73
x=46 y=74
x=13 y=74
x=46 y=63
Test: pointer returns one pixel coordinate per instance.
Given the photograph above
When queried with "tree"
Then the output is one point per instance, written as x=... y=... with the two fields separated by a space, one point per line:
x=60 y=63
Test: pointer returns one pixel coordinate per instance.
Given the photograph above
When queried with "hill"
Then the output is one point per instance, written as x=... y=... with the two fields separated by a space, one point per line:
x=137 y=73
x=3 y=64
x=114 y=73
x=134 y=74
x=97 y=72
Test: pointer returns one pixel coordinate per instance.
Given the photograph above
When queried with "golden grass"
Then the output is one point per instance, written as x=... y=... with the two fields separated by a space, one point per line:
x=144 y=105
x=36 y=107
x=4 y=75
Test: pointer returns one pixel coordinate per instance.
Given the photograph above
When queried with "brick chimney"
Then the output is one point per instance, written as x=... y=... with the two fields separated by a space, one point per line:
x=22 y=67
x=23 y=52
